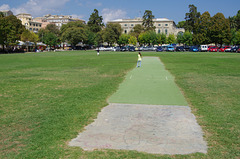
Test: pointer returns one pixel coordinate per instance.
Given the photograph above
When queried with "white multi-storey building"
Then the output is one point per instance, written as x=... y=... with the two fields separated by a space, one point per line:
x=163 y=25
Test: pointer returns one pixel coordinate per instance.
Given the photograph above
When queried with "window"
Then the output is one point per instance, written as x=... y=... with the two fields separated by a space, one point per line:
x=33 y=24
x=125 y=31
x=125 y=24
x=30 y=24
x=36 y=24
x=166 y=24
x=166 y=31
x=40 y=25
x=159 y=24
x=159 y=31
x=34 y=29
x=132 y=25
x=30 y=28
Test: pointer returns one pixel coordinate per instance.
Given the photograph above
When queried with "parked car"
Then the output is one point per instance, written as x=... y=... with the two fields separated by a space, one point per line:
x=131 y=48
x=170 y=48
x=234 y=49
x=123 y=48
x=180 y=48
x=238 y=50
x=148 y=48
x=213 y=49
x=203 y=48
x=194 y=49
x=186 y=48
x=222 y=49
x=159 y=49
x=116 y=48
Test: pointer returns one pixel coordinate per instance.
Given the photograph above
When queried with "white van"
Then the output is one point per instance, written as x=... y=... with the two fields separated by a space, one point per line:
x=203 y=48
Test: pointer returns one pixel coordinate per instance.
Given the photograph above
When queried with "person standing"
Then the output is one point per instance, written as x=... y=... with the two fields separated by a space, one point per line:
x=139 y=60
x=98 y=51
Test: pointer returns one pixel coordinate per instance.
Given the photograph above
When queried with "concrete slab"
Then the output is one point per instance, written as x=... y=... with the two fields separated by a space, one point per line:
x=146 y=128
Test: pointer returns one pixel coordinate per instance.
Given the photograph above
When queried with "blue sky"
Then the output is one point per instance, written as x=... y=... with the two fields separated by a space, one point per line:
x=120 y=9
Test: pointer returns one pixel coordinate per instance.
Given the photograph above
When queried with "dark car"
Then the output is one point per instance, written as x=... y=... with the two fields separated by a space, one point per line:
x=180 y=48
x=186 y=48
x=131 y=48
x=159 y=49
x=123 y=48
x=194 y=49
x=234 y=49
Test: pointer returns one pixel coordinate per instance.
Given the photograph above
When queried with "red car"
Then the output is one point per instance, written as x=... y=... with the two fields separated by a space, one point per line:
x=213 y=49
x=224 y=48
x=238 y=50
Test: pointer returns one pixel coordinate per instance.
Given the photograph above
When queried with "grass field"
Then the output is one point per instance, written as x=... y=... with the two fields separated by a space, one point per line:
x=46 y=99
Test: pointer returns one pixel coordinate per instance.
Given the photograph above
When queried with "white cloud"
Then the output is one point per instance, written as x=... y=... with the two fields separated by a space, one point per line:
x=4 y=7
x=111 y=14
x=38 y=7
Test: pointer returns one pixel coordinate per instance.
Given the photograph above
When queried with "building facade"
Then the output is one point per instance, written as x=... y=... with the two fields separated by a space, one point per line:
x=28 y=22
x=58 y=20
x=163 y=25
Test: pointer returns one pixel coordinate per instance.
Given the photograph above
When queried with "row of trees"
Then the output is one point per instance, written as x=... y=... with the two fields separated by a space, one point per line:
x=206 y=29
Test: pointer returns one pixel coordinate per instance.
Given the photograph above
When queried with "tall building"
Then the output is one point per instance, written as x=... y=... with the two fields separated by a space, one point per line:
x=58 y=20
x=7 y=12
x=163 y=25
x=28 y=22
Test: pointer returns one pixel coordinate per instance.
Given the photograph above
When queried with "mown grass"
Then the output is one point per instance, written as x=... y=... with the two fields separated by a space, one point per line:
x=47 y=98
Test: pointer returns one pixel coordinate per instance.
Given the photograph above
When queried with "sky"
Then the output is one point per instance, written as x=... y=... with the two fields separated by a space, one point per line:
x=120 y=9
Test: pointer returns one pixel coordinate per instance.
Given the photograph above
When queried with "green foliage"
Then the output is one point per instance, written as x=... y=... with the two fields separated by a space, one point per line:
x=11 y=29
x=202 y=32
x=75 y=35
x=220 y=29
x=132 y=40
x=181 y=24
x=191 y=18
x=148 y=37
x=137 y=30
x=95 y=23
x=112 y=33
x=123 y=39
x=187 y=38
x=180 y=39
x=50 y=39
x=53 y=29
x=237 y=37
x=171 y=39
x=161 y=38
x=148 y=20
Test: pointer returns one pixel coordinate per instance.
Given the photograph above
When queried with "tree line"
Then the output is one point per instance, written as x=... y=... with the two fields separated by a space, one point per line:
x=204 y=29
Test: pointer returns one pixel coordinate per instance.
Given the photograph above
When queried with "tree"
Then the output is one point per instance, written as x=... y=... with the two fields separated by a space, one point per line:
x=28 y=36
x=53 y=29
x=238 y=37
x=95 y=23
x=187 y=38
x=181 y=24
x=161 y=38
x=171 y=39
x=137 y=30
x=74 y=32
x=220 y=29
x=148 y=21
x=123 y=39
x=74 y=35
x=191 y=18
x=180 y=39
x=112 y=33
x=11 y=29
x=132 y=40
x=202 y=33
